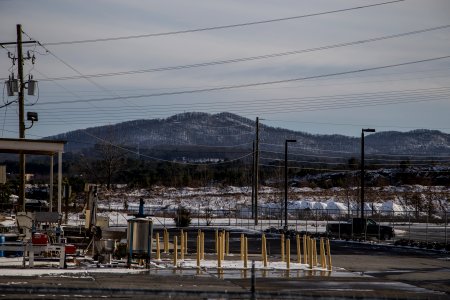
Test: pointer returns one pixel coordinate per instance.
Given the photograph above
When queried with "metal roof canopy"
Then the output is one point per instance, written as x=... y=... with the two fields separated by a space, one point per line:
x=38 y=147
x=26 y=146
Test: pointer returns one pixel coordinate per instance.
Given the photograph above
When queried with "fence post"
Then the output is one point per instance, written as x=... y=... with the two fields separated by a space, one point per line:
x=426 y=232
x=446 y=223
x=409 y=225
x=229 y=214
x=316 y=218
x=393 y=222
x=339 y=226
x=379 y=229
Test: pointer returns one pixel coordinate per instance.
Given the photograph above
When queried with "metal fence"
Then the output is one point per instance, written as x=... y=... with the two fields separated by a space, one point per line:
x=408 y=225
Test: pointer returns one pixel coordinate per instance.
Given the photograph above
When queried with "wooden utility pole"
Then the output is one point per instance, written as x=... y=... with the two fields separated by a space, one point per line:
x=21 y=116
x=256 y=170
x=253 y=180
x=21 y=88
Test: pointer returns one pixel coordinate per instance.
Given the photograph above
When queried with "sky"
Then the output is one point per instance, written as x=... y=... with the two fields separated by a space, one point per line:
x=317 y=66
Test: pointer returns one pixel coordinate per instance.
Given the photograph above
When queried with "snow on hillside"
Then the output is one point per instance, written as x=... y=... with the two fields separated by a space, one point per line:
x=160 y=199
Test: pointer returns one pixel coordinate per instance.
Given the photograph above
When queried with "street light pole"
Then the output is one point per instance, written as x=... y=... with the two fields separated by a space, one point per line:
x=286 y=182
x=256 y=172
x=363 y=172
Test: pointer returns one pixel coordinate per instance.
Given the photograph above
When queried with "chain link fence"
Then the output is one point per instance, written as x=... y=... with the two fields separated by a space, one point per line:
x=409 y=226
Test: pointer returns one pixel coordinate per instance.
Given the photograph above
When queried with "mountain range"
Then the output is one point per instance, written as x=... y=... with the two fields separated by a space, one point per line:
x=230 y=135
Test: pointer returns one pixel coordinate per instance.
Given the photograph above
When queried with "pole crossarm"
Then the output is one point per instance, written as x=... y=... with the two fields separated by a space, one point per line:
x=15 y=43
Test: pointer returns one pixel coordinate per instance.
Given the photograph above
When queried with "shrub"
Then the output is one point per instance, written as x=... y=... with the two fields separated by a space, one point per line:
x=183 y=217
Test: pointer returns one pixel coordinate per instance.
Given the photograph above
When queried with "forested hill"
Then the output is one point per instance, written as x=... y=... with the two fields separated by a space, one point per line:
x=229 y=132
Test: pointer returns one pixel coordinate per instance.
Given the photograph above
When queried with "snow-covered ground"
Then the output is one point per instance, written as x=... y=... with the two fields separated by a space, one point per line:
x=309 y=208
x=217 y=201
x=12 y=267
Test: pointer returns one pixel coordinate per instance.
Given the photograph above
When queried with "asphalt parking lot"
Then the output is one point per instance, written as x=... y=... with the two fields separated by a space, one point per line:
x=365 y=271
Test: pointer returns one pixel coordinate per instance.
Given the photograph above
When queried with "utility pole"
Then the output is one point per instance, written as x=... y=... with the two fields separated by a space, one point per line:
x=363 y=172
x=21 y=115
x=21 y=89
x=256 y=171
x=286 y=182
x=253 y=179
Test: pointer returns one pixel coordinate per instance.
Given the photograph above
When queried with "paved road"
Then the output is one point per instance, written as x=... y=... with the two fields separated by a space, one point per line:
x=424 y=233
x=371 y=272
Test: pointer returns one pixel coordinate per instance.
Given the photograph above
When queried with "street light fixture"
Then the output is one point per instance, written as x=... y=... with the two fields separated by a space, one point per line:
x=363 y=173
x=286 y=182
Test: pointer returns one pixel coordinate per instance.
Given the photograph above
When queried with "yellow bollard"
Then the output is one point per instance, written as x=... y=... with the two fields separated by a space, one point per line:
x=282 y=247
x=227 y=243
x=158 y=255
x=185 y=243
x=198 y=249
x=329 y=265
x=216 y=248
x=242 y=246
x=199 y=234
x=288 y=254
x=219 y=253
x=315 y=252
x=323 y=262
x=181 y=245
x=262 y=246
x=222 y=249
x=166 y=240
x=175 y=250
x=265 y=250
x=203 y=245
x=305 y=249
x=245 y=252
x=310 y=253
x=223 y=245
x=299 y=254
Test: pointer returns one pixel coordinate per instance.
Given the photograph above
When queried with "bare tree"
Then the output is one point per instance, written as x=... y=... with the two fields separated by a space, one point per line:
x=111 y=158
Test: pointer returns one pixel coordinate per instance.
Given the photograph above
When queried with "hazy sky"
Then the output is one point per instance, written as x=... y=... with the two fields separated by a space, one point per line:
x=397 y=98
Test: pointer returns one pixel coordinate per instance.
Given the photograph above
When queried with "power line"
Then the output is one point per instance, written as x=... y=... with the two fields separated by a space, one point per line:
x=303 y=161
x=352 y=124
x=271 y=108
x=301 y=154
x=356 y=152
x=314 y=99
x=165 y=160
x=251 y=58
x=307 y=168
x=250 y=84
x=216 y=27
x=277 y=102
x=367 y=159
x=76 y=71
